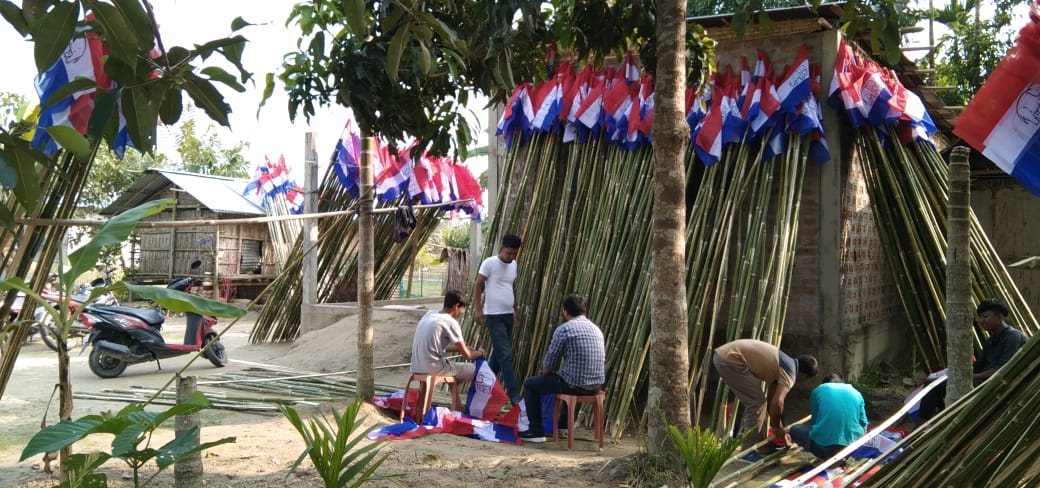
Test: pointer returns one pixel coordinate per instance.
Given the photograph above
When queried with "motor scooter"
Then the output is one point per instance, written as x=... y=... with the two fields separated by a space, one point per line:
x=123 y=335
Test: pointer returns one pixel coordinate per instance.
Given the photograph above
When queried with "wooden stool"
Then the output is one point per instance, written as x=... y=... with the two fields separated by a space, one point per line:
x=425 y=398
x=572 y=405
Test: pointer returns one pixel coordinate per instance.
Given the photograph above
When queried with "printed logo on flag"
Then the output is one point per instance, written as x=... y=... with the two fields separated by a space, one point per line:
x=1028 y=106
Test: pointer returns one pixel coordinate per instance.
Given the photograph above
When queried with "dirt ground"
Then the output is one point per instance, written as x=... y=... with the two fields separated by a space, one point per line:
x=266 y=445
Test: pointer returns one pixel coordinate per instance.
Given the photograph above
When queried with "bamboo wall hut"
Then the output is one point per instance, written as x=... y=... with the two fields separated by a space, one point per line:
x=237 y=260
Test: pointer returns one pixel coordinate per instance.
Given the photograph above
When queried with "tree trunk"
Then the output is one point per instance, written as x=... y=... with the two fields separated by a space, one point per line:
x=669 y=398
x=959 y=313
x=366 y=385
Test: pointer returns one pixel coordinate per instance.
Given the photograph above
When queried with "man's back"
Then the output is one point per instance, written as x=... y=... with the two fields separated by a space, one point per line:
x=579 y=343
x=838 y=414
x=435 y=332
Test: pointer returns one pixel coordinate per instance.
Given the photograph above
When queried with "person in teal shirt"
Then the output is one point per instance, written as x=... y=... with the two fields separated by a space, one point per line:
x=839 y=417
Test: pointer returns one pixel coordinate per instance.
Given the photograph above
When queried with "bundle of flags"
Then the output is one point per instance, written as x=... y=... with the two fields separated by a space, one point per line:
x=431 y=179
x=270 y=180
x=481 y=419
x=873 y=97
x=83 y=58
x=1002 y=120
x=752 y=106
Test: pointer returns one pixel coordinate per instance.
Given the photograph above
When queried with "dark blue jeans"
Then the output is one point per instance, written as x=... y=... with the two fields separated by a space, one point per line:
x=500 y=328
x=800 y=435
x=545 y=384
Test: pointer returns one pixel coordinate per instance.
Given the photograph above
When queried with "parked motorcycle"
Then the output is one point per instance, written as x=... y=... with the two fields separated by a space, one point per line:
x=122 y=335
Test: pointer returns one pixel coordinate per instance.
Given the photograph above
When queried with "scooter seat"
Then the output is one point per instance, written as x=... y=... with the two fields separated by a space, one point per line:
x=148 y=316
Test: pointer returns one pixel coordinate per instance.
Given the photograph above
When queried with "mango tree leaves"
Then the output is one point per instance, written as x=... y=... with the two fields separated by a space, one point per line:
x=71 y=140
x=53 y=33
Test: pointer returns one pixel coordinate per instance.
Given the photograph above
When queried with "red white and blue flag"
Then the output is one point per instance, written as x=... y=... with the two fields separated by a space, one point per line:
x=82 y=58
x=794 y=85
x=1002 y=121
x=346 y=158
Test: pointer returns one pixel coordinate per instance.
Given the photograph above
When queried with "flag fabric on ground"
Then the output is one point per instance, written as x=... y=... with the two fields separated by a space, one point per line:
x=486 y=395
x=1002 y=120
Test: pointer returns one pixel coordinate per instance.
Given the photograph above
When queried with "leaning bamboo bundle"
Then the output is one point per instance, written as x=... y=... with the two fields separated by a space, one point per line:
x=988 y=438
x=584 y=211
x=29 y=245
x=337 y=262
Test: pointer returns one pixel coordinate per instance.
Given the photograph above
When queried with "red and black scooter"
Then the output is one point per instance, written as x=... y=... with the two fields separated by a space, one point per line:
x=122 y=335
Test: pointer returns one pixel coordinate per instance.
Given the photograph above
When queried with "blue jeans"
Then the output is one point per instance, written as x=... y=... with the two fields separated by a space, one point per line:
x=500 y=328
x=800 y=435
x=534 y=388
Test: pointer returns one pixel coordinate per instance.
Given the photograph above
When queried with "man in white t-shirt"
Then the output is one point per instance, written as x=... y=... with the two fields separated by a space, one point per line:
x=437 y=334
x=496 y=284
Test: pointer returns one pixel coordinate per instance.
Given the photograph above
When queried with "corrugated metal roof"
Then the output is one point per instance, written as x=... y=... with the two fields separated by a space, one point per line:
x=217 y=193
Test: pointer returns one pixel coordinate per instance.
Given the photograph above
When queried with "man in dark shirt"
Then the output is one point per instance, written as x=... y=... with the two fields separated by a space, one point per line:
x=1003 y=342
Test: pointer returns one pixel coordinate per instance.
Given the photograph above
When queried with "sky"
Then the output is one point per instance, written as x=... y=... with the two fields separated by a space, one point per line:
x=189 y=22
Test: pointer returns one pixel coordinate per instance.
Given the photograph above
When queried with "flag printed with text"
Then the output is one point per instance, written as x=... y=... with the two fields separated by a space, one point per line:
x=1002 y=120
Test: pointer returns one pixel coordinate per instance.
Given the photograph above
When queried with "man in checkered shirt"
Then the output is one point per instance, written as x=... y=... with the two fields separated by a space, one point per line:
x=579 y=343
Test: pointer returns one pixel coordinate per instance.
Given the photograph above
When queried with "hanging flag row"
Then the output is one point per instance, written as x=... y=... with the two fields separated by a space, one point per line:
x=872 y=96
x=752 y=106
x=83 y=58
x=268 y=181
x=432 y=179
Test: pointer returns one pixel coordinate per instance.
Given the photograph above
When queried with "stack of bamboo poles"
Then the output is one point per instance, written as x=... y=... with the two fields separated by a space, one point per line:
x=255 y=390
x=27 y=245
x=988 y=438
x=585 y=220
x=337 y=262
x=908 y=187
x=283 y=232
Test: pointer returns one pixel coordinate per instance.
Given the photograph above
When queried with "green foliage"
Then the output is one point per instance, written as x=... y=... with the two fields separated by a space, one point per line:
x=333 y=447
x=149 y=86
x=130 y=427
x=973 y=47
x=406 y=70
x=702 y=453
x=204 y=153
x=456 y=236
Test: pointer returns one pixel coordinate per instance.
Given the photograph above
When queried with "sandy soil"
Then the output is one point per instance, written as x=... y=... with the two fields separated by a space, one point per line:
x=267 y=445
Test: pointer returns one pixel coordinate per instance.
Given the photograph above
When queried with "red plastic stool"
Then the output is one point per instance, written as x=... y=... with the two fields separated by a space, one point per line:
x=572 y=405
x=427 y=382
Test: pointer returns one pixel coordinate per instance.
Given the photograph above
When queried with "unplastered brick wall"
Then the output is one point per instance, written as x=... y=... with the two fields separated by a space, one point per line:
x=781 y=45
x=868 y=295
x=803 y=305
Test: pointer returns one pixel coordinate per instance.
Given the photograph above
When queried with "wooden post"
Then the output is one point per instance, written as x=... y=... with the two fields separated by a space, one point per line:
x=216 y=263
x=959 y=313
x=187 y=473
x=366 y=275
x=173 y=239
x=310 y=227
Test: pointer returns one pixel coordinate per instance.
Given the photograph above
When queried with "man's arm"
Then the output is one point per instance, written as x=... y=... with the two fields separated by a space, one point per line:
x=775 y=396
x=1003 y=354
x=478 y=292
x=466 y=352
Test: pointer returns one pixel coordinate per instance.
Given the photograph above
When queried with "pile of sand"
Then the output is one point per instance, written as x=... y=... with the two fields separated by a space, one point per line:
x=334 y=348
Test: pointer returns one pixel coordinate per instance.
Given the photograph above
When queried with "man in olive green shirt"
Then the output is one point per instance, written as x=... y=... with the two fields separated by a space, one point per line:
x=743 y=365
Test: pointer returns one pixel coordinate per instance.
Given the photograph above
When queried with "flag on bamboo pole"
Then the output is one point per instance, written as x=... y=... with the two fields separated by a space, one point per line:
x=1002 y=120
x=517 y=114
x=392 y=174
x=82 y=58
x=346 y=157
x=708 y=141
x=793 y=86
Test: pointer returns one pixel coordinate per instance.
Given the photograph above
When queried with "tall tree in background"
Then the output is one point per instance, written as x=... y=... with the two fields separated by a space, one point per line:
x=205 y=153
x=668 y=401
x=969 y=52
